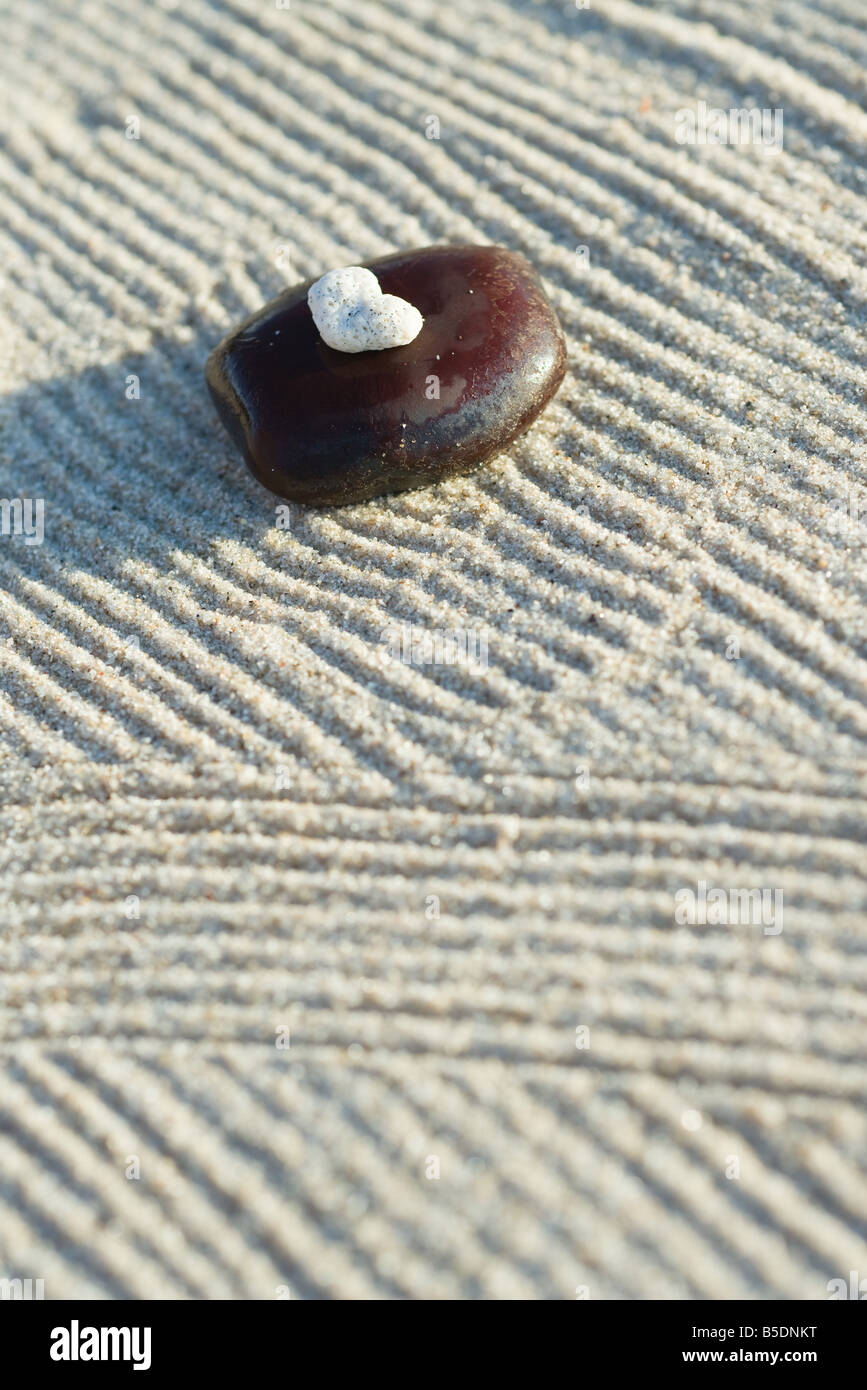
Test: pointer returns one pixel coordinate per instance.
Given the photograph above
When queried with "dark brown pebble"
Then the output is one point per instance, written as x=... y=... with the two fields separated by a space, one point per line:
x=325 y=427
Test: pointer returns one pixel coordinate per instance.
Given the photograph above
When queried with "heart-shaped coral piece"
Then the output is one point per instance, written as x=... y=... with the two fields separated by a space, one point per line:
x=353 y=315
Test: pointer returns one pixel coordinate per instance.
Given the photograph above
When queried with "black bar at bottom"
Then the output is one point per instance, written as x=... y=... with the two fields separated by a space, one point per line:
x=160 y=1339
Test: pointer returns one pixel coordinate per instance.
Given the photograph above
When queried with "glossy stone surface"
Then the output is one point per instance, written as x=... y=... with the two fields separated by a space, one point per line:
x=326 y=427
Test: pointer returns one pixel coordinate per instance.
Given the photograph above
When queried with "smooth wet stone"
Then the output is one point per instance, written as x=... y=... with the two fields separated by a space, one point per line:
x=325 y=427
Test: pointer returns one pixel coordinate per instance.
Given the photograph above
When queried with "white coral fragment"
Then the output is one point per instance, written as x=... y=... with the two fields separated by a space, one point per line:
x=353 y=315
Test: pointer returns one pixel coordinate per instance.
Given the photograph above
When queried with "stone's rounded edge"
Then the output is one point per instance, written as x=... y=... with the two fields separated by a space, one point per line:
x=372 y=482
x=227 y=402
x=372 y=479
